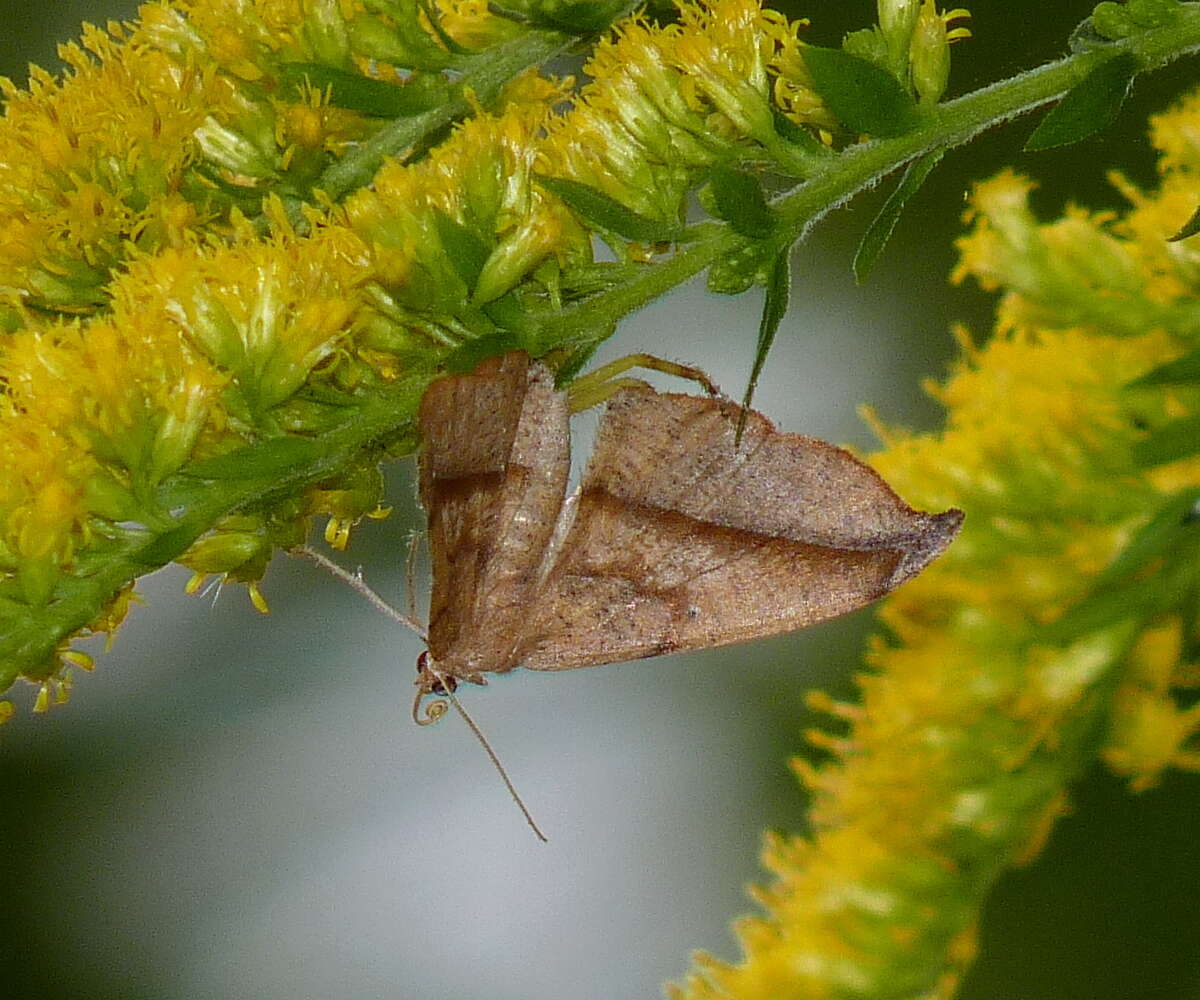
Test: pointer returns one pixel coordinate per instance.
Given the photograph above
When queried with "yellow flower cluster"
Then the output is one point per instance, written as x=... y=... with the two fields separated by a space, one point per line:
x=665 y=103
x=176 y=289
x=1004 y=666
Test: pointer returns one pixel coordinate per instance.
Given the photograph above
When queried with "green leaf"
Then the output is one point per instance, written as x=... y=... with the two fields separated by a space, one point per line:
x=167 y=546
x=371 y=97
x=1189 y=228
x=880 y=230
x=775 y=306
x=258 y=461
x=738 y=198
x=472 y=353
x=1181 y=371
x=795 y=133
x=746 y=267
x=466 y=251
x=864 y=97
x=1178 y=439
x=1157 y=536
x=1088 y=107
x=607 y=213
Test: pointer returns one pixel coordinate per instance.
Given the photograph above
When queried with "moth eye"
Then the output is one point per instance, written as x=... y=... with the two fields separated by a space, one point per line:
x=693 y=613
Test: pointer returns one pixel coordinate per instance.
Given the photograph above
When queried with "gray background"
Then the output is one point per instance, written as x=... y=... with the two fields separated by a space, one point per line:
x=236 y=806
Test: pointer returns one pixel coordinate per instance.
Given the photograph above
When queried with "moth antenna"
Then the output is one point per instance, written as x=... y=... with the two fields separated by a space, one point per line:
x=433 y=711
x=356 y=582
x=487 y=747
x=410 y=573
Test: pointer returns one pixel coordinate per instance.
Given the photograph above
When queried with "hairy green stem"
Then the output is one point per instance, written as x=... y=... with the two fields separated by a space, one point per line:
x=833 y=183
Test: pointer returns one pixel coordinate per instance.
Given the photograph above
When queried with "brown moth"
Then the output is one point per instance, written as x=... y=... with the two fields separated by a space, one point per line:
x=679 y=538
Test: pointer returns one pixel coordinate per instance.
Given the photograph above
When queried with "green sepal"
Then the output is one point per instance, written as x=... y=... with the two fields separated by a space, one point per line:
x=1088 y=107
x=1169 y=443
x=864 y=97
x=109 y=498
x=1181 y=371
x=738 y=198
x=871 y=247
x=605 y=212
x=775 y=306
x=371 y=97
x=39 y=578
x=405 y=44
x=11 y=319
x=465 y=250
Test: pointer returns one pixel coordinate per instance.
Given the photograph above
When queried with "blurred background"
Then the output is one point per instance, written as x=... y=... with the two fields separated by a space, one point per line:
x=239 y=806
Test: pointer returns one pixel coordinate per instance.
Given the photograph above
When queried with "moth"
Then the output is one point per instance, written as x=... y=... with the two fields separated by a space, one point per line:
x=680 y=536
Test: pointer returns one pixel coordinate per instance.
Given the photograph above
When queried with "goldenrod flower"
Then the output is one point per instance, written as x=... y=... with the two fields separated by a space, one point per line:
x=1002 y=675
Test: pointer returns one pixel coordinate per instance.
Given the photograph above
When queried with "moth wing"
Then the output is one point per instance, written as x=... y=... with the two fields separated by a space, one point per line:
x=493 y=469
x=682 y=540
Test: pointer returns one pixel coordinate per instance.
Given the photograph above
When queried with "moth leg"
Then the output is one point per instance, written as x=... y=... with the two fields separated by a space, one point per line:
x=356 y=582
x=596 y=386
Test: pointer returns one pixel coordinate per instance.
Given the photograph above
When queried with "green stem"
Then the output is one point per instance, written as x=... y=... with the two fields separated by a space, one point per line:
x=835 y=182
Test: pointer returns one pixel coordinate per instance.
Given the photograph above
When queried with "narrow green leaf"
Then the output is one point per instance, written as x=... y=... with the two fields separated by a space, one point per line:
x=371 y=97
x=259 y=461
x=1178 y=439
x=435 y=23
x=1157 y=536
x=1088 y=107
x=607 y=213
x=168 y=546
x=880 y=230
x=797 y=135
x=1178 y=372
x=775 y=306
x=467 y=252
x=1189 y=228
x=864 y=97
x=738 y=198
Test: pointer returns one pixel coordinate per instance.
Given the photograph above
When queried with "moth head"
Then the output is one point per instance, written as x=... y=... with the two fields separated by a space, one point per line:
x=430 y=680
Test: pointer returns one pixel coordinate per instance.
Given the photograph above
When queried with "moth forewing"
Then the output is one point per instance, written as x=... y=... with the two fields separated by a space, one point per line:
x=681 y=537
x=493 y=470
